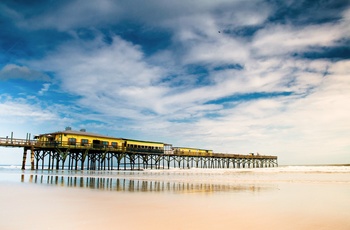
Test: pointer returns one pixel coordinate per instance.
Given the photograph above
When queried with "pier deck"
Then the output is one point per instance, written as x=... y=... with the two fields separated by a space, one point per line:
x=57 y=156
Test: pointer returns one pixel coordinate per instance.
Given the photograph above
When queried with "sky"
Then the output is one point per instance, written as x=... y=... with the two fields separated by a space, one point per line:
x=270 y=77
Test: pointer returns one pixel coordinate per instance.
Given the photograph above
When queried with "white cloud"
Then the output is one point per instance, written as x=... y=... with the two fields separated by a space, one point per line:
x=44 y=89
x=76 y=14
x=242 y=13
x=79 y=13
x=286 y=39
x=12 y=71
x=20 y=111
x=204 y=41
x=294 y=128
x=223 y=50
x=109 y=78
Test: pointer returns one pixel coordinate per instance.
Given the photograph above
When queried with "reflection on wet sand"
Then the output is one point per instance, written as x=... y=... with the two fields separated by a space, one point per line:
x=130 y=185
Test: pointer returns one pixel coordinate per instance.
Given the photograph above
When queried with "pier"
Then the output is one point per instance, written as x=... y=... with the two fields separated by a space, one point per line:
x=58 y=155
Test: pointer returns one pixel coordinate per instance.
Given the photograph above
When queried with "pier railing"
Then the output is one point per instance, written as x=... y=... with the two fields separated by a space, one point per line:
x=95 y=146
x=224 y=155
x=14 y=142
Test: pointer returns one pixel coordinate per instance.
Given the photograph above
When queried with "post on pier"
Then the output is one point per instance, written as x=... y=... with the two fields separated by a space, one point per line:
x=24 y=158
x=32 y=157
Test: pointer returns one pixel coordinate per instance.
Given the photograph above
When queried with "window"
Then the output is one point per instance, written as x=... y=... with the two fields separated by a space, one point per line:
x=84 y=142
x=115 y=144
x=72 y=141
x=105 y=143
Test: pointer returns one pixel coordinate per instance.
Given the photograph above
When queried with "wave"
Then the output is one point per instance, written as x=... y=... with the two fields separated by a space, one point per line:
x=305 y=169
x=311 y=169
x=10 y=167
x=281 y=169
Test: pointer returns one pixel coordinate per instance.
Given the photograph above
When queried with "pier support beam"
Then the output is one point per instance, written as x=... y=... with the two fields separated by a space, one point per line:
x=97 y=160
x=32 y=158
x=24 y=159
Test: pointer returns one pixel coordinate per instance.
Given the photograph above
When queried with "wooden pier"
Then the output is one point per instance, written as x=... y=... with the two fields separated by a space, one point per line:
x=58 y=156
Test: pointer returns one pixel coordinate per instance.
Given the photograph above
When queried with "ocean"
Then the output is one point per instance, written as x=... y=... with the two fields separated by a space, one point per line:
x=287 y=197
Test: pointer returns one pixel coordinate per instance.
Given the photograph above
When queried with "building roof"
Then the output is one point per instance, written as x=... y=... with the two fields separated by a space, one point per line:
x=80 y=133
x=74 y=132
x=191 y=148
x=156 y=142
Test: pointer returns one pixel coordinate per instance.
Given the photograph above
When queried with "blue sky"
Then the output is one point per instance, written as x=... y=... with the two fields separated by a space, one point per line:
x=234 y=76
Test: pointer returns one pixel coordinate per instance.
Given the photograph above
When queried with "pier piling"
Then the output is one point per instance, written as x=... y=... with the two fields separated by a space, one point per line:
x=24 y=158
x=32 y=158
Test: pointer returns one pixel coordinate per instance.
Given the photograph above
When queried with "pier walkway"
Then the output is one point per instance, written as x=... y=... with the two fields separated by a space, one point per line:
x=58 y=156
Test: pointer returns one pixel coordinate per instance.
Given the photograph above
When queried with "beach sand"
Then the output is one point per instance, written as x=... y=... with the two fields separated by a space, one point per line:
x=105 y=201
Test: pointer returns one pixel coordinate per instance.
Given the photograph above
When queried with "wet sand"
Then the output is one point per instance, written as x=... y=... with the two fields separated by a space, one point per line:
x=187 y=200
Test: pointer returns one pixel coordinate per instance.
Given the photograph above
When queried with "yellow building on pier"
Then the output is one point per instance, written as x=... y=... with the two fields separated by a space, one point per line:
x=83 y=139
